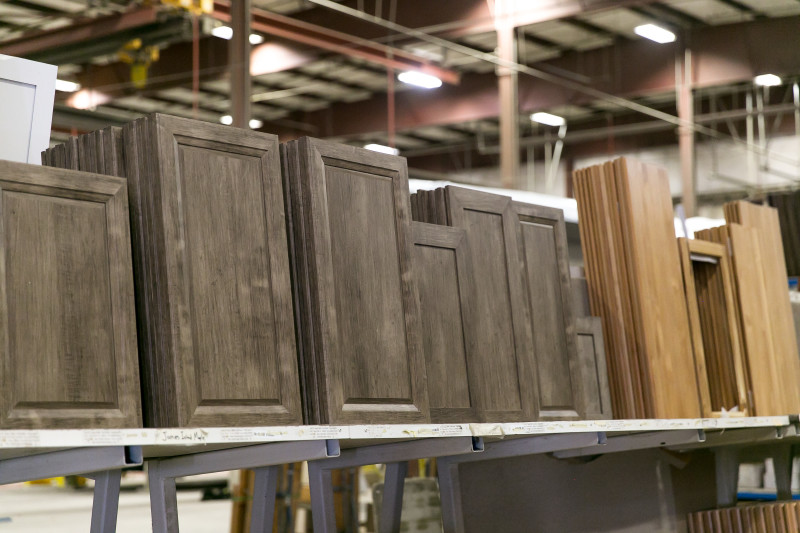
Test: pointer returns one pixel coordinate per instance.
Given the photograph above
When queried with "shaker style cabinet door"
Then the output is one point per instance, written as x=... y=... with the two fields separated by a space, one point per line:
x=213 y=273
x=545 y=260
x=496 y=321
x=67 y=323
x=362 y=359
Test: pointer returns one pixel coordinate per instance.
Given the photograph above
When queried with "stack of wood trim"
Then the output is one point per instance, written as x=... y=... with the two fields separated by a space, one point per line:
x=772 y=517
x=636 y=287
x=765 y=318
x=716 y=338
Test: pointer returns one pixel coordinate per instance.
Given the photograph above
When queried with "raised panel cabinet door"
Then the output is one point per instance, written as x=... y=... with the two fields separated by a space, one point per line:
x=593 y=372
x=67 y=303
x=545 y=259
x=363 y=348
x=215 y=275
x=440 y=273
x=500 y=357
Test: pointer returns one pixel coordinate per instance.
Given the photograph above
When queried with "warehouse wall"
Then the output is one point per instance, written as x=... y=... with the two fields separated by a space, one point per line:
x=636 y=492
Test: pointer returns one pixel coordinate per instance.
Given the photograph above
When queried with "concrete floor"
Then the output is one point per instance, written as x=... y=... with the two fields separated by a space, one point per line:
x=39 y=508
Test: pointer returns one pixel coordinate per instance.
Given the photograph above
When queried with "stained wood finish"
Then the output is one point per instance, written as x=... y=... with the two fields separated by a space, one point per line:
x=765 y=220
x=545 y=259
x=68 y=307
x=636 y=286
x=363 y=360
x=441 y=275
x=719 y=360
x=496 y=316
x=593 y=370
x=213 y=274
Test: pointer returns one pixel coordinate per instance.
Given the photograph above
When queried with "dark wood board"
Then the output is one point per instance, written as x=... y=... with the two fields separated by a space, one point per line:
x=496 y=315
x=545 y=258
x=593 y=370
x=66 y=289
x=441 y=276
x=362 y=343
x=213 y=274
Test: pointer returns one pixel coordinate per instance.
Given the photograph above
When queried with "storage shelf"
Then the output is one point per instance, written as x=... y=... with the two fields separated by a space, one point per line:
x=68 y=438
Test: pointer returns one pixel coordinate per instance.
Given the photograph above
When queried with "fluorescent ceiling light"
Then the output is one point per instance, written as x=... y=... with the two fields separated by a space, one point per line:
x=548 y=119
x=382 y=149
x=226 y=32
x=419 y=79
x=223 y=32
x=255 y=123
x=226 y=119
x=67 y=86
x=654 y=33
x=768 y=80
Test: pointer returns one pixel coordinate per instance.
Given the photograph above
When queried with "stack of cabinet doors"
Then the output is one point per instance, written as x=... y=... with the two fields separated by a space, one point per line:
x=284 y=284
x=68 y=323
x=498 y=328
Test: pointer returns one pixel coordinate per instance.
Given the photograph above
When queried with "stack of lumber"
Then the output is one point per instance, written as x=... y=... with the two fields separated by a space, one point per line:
x=768 y=338
x=788 y=206
x=772 y=517
x=636 y=287
x=710 y=300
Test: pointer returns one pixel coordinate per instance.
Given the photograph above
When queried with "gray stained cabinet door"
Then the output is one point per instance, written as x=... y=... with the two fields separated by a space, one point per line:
x=545 y=260
x=213 y=274
x=362 y=357
x=594 y=375
x=66 y=291
x=441 y=276
x=497 y=329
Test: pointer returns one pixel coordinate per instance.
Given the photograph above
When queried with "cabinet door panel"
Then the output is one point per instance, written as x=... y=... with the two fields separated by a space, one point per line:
x=496 y=321
x=67 y=297
x=593 y=372
x=362 y=357
x=215 y=274
x=543 y=242
x=439 y=270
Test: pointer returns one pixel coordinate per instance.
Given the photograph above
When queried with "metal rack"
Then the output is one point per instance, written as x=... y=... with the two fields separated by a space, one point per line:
x=170 y=453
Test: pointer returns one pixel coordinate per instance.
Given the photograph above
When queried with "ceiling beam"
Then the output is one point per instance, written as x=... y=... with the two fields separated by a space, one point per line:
x=722 y=55
x=80 y=30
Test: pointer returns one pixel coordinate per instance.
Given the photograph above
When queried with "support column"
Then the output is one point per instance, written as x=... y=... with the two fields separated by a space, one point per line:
x=686 y=132
x=509 y=101
x=239 y=59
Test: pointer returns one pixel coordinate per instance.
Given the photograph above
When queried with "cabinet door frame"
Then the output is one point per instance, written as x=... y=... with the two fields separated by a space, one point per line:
x=592 y=326
x=310 y=164
x=555 y=218
x=169 y=133
x=112 y=194
x=448 y=238
x=458 y=201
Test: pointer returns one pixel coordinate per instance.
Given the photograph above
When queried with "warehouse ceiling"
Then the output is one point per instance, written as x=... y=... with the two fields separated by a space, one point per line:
x=301 y=88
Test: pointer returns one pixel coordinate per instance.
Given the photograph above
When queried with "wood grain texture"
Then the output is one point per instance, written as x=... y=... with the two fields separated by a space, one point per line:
x=68 y=304
x=719 y=359
x=213 y=274
x=363 y=359
x=774 y=285
x=593 y=371
x=545 y=258
x=496 y=315
x=441 y=275
x=636 y=287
